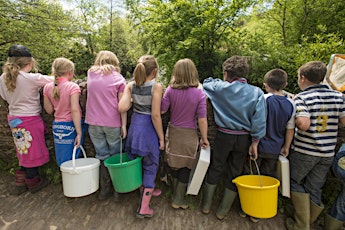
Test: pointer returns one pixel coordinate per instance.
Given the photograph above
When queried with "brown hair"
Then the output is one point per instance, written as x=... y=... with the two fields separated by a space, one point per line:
x=276 y=79
x=106 y=61
x=236 y=66
x=314 y=71
x=184 y=75
x=144 y=68
x=60 y=67
x=12 y=67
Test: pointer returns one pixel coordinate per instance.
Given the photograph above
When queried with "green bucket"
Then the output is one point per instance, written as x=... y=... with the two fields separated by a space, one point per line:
x=126 y=174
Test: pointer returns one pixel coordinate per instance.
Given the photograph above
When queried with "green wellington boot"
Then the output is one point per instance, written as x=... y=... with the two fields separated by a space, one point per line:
x=332 y=223
x=179 y=199
x=301 y=203
x=224 y=207
x=315 y=211
x=207 y=197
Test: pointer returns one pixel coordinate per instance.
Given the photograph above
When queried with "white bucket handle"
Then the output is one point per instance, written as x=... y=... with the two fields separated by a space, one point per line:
x=73 y=156
x=257 y=169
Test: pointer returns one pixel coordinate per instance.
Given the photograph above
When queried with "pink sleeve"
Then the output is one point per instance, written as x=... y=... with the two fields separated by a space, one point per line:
x=46 y=89
x=122 y=87
x=202 y=109
x=75 y=89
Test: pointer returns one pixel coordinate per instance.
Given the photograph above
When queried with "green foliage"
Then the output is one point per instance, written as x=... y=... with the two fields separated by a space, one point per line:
x=172 y=30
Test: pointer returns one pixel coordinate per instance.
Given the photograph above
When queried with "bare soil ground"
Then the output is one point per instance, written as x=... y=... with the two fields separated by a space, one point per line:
x=50 y=209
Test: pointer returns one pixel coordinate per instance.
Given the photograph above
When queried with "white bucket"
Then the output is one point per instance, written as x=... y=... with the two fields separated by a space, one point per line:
x=80 y=177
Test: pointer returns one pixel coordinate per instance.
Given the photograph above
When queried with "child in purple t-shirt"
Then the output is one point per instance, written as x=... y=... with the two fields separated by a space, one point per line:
x=187 y=104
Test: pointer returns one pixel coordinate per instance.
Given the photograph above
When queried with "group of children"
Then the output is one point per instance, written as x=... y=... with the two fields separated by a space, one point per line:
x=251 y=126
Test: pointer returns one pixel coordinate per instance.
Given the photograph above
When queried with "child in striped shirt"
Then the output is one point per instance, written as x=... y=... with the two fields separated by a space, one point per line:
x=318 y=112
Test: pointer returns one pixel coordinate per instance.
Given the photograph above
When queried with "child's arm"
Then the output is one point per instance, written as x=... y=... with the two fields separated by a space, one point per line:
x=156 y=113
x=288 y=140
x=342 y=121
x=202 y=122
x=76 y=117
x=48 y=106
x=303 y=123
x=125 y=102
x=123 y=120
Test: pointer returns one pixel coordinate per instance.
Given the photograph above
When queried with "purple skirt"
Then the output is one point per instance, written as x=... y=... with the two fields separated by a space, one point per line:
x=142 y=139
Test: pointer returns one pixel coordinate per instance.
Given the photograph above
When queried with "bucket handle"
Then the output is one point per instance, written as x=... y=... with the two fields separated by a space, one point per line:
x=73 y=156
x=257 y=169
x=120 y=149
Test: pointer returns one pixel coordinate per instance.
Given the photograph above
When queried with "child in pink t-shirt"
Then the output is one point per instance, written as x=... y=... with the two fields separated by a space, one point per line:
x=20 y=89
x=105 y=86
x=62 y=98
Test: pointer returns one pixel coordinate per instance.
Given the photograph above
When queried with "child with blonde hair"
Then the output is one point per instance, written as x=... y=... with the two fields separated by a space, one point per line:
x=187 y=103
x=20 y=89
x=62 y=98
x=145 y=135
x=105 y=86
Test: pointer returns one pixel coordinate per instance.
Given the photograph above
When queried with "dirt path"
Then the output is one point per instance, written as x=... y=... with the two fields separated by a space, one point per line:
x=50 y=209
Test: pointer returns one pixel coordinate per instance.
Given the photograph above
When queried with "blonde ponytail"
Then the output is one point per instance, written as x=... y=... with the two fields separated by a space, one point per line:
x=11 y=70
x=146 y=65
x=60 y=67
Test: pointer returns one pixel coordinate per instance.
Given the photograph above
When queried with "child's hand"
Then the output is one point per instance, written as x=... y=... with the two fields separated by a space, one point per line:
x=253 y=150
x=204 y=143
x=77 y=141
x=161 y=144
x=123 y=132
x=285 y=151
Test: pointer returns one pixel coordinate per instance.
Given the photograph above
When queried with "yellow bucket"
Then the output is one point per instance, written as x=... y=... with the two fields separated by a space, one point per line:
x=258 y=195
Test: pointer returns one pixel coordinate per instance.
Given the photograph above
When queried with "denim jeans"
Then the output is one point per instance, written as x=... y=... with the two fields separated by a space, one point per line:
x=309 y=174
x=106 y=140
x=338 y=208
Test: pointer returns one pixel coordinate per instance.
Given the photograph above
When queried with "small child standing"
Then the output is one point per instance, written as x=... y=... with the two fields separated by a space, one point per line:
x=187 y=105
x=318 y=112
x=239 y=112
x=336 y=217
x=105 y=86
x=62 y=98
x=280 y=125
x=20 y=89
x=145 y=134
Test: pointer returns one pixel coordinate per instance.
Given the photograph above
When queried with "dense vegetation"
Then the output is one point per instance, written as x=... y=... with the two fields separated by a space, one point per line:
x=273 y=34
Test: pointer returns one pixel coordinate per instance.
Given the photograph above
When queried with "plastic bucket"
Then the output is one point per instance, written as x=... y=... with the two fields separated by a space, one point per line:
x=80 y=177
x=258 y=195
x=126 y=174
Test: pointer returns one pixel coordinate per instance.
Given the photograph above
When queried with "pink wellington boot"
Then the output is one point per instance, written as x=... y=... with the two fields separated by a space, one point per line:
x=144 y=209
x=156 y=191
x=20 y=186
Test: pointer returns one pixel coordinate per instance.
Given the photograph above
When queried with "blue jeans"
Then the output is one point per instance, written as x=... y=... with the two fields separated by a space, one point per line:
x=106 y=140
x=309 y=174
x=338 y=208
